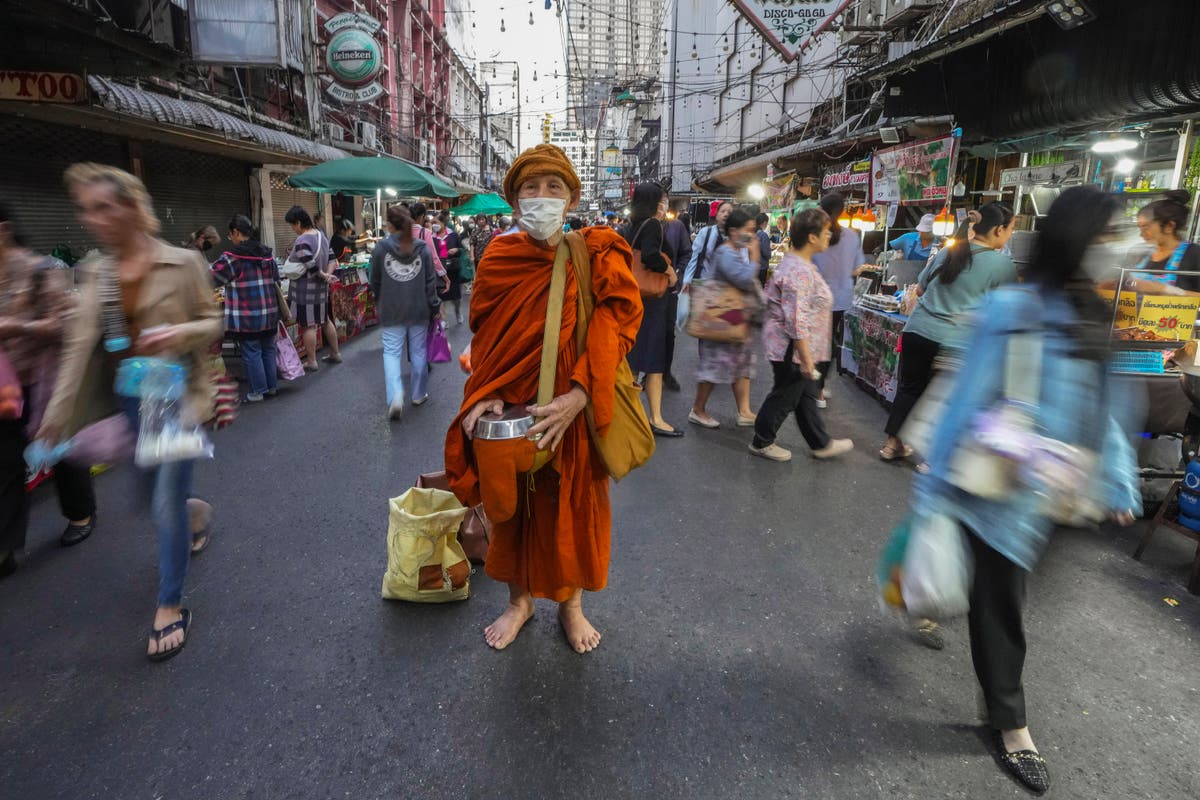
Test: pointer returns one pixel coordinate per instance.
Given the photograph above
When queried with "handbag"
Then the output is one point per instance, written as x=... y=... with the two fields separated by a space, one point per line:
x=721 y=312
x=628 y=443
x=475 y=533
x=287 y=360
x=466 y=266
x=651 y=284
x=293 y=270
x=437 y=346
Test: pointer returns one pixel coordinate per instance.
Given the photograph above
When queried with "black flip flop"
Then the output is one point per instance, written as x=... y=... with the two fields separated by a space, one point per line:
x=157 y=635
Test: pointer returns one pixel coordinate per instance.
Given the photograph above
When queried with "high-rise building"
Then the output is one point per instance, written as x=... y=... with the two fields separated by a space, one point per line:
x=609 y=43
x=575 y=144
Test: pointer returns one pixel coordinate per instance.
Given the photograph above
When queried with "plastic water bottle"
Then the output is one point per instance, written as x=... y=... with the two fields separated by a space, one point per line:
x=1189 y=496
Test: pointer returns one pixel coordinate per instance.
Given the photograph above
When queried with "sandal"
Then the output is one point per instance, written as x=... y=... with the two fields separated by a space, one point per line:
x=888 y=453
x=200 y=541
x=183 y=623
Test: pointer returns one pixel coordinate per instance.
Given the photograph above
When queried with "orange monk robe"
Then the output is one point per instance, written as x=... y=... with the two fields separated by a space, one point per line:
x=559 y=540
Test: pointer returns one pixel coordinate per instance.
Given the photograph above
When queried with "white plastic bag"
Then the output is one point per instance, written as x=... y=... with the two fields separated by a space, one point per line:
x=165 y=432
x=935 y=580
x=681 y=314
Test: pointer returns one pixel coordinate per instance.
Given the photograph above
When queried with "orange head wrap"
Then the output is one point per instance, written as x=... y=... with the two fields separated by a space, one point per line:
x=542 y=159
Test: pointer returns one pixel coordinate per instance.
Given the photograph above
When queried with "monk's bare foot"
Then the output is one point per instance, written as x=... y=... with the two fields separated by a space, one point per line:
x=500 y=634
x=580 y=634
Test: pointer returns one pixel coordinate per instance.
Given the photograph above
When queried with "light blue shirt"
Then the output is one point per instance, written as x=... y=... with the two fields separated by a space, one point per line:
x=910 y=245
x=1078 y=403
x=837 y=263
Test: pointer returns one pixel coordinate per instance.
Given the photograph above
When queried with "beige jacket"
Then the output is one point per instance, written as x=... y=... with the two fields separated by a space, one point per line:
x=177 y=291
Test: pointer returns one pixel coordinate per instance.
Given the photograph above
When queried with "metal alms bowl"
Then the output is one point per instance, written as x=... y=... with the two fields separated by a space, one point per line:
x=512 y=423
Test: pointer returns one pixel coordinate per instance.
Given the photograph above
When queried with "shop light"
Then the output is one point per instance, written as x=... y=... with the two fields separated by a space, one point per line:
x=390 y=192
x=1114 y=144
x=756 y=191
x=865 y=221
x=1070 y=13
x=845 y=219
x=1126 y=166
x=943 y=223
x=670 y=215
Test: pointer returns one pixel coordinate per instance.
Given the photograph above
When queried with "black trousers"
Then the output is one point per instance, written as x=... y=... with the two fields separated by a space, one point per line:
x=997 y=634
x=836 y=348
x=793 y=393
x=76 y=495
x=916 y=370
x=672 y=308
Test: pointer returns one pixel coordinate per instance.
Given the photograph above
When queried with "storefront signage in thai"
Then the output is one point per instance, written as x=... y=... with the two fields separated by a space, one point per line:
x=855 y=175
x=1066 y=172
x=914 y=174
x=42 y=87
x=787 y=24
x=354 y=58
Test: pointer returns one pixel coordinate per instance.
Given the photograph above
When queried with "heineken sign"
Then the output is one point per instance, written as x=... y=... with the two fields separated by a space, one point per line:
x=354 y=58
x=789 y=24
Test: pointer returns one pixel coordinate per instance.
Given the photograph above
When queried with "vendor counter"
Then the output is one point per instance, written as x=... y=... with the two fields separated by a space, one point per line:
x=870 y=340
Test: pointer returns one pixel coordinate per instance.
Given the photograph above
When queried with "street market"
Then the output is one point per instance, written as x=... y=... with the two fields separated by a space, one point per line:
x=589 y=398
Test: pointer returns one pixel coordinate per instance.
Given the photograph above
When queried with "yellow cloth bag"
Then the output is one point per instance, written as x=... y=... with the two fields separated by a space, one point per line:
x=426 y=564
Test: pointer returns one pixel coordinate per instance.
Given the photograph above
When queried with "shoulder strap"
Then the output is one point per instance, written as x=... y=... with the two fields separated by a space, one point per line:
x=585 y=300
x=554 y=306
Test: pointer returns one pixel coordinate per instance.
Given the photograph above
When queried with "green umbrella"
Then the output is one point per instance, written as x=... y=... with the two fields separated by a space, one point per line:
x=483 y=204
x=366 y=176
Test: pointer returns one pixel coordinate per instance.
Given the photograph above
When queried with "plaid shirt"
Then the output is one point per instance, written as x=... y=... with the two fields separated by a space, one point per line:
x=249 y=274
x=312 y=250
x=39 y=300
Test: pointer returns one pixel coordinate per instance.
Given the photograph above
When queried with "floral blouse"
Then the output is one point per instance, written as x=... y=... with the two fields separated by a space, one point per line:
x=799 y=307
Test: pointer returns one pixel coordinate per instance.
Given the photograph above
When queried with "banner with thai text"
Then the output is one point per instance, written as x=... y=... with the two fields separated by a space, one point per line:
x=914 y=174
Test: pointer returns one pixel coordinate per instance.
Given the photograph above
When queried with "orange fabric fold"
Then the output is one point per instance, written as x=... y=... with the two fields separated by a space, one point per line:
x=559 y=539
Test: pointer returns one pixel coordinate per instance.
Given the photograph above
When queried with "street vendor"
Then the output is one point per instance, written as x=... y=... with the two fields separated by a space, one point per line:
x=1162 y=224
x=917 y=245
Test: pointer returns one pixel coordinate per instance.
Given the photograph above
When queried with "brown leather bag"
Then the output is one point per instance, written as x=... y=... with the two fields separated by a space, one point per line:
x=628 y=443
x=475 y=533
x=651 y=284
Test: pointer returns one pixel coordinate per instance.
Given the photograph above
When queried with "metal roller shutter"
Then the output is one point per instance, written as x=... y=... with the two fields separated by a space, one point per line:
x=191 y=190
x=284 y=197
x=31 y=179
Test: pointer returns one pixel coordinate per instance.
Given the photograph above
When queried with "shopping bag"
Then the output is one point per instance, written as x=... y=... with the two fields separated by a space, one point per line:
x=292 y=270
x=935 y=578
x=109 y=441
x=437 y=346
x=721 y=312
x=426 y=564
x=475 y=533
x=681 y=311
x=466 y=266
x=891 y=565
x=12 y=398
x=287 y=360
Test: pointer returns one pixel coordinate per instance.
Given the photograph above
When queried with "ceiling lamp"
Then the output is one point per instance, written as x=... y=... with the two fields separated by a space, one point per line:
x=864 y=221
x=943 y=223
x=845 y=219
x=1070 y=13
x=856 y=220
x=756 y=191
x=1114 y=144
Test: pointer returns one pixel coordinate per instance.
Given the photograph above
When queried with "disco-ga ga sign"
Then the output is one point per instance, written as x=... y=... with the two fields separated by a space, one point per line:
x=354 y=58
x=788 y=24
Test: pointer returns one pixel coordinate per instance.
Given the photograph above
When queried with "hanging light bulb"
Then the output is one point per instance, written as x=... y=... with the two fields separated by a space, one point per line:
x=725 y=45
x=535 y=74
x=868 y=222
x=943 y=223
x=666 y=50
x=493 y=66
x=530 y=17
x=502 y=28
x=844 y=220
x=694 y=53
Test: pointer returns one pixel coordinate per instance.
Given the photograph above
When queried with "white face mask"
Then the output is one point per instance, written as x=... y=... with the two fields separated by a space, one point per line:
x=542 y=217
x=437 y=228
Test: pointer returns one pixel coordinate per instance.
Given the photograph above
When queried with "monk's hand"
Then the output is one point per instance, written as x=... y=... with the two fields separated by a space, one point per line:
x=491 y=406
x=555 y=417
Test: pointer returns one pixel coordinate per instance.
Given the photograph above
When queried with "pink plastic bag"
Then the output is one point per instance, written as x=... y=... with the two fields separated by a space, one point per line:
x=12 y=398
x=110 y=441
x=287 y=360
x=437 y=346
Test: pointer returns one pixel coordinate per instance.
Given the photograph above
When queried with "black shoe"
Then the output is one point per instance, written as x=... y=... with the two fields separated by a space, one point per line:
x=9 y=565
x=74 y=534
x=1027 y=766
x=670 y=383
x=673 y=434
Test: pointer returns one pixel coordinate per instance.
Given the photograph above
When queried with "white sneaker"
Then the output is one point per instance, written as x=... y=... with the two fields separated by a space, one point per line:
x=420 y=401
x=396 y=410
x=822 y=403
x=773 y=452
x=836 y=447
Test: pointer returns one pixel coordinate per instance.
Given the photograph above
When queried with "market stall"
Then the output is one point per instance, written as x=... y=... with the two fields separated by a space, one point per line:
x=870 y=344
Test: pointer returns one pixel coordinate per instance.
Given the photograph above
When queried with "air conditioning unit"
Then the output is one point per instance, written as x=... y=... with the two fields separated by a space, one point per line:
x=899 y=12
x=334 y=132
x=366 y=134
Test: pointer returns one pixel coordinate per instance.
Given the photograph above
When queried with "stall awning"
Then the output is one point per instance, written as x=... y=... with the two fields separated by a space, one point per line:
x=190 y=114
x=368 y=175
x=483 y=204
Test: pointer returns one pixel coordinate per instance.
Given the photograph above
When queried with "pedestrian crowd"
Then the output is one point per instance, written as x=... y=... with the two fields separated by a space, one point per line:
x=604 y=294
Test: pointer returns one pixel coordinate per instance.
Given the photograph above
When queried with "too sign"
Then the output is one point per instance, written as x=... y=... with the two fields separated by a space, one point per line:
x=42 y=87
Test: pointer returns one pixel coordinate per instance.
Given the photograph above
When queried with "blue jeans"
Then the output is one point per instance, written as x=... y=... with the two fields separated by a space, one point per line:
x=169 y=486
x=259 y=357
x=394 y=339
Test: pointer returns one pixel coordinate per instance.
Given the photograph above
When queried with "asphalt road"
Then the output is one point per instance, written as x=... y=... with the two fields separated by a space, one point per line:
x=743 y=654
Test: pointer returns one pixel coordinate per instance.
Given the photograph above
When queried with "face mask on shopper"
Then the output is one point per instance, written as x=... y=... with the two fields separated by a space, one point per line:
x=542 y=217
x=437 y=228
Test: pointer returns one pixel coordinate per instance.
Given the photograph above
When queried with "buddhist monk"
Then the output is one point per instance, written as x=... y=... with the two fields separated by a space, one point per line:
x=557 y=544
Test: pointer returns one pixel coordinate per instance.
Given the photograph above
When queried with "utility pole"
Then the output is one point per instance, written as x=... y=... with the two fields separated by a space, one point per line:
x=484 y=131
x=674 y=75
